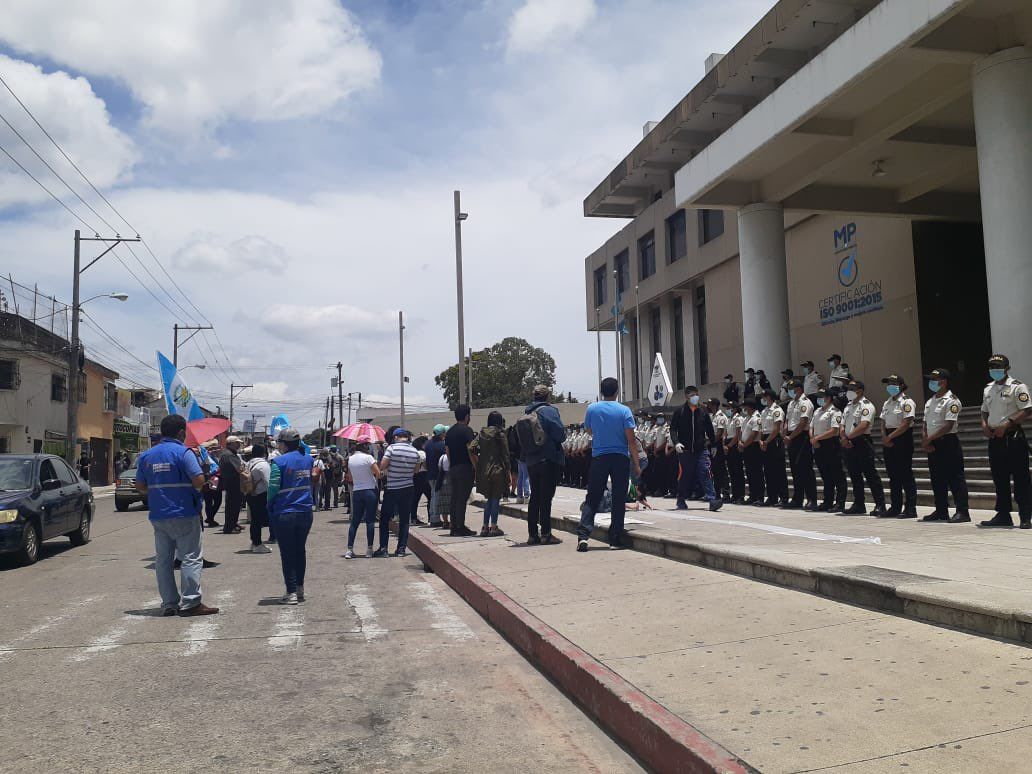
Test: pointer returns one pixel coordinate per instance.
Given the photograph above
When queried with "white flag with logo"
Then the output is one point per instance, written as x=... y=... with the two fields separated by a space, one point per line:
x=659 y=387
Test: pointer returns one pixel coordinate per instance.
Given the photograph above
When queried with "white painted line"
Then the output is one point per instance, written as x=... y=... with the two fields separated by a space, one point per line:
x=46 y=624
x=290 y=628
x=113 y=637
x=368 y=620
x=776 y=529
x=205 y=628
x=443 y=617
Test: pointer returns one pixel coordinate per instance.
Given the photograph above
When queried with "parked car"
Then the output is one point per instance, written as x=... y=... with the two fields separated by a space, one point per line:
x=41 y=497
x=125 y=491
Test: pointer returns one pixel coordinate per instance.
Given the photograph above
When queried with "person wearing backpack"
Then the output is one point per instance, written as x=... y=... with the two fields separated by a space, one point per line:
x=541 y=434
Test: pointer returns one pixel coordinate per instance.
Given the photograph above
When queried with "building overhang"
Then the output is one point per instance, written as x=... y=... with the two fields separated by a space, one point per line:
x=881 y=121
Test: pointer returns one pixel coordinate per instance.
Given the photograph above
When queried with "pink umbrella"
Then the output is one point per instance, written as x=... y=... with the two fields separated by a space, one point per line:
x=200 y=430
x=361 y=432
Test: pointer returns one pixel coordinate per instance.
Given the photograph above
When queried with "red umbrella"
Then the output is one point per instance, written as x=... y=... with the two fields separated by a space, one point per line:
x=361 y=432
x=200 y=430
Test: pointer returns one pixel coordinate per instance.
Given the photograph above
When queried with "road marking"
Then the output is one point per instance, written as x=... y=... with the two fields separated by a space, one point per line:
x=6 y=649
x=443 y=617
x=290 y=628
x=368 y=619
x=778 y=530
x=204 y=628
x=112 y=638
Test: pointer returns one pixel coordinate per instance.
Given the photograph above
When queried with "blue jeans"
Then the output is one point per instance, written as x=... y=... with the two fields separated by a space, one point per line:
x=363 y=509
x=292 y=533
x=491 y=510
x=695 y=471
x=396 y=501
x=523 y=481
x=182 y=536
x=606 y=467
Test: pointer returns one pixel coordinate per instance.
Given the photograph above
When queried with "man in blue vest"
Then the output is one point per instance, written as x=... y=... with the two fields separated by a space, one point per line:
x=169 y=476
x=290 y=510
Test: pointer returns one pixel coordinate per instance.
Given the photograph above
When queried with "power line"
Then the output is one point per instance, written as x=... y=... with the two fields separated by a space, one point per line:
x=51 y=193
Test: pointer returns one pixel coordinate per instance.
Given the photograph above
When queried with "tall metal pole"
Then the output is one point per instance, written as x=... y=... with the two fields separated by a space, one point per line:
x=175 y=345
x=401 y=362
x=458 y=296
x=471 y=377
x=340 y=395
x=73 y=363
x=637 y=346
x=598 y=340
x=617 y=309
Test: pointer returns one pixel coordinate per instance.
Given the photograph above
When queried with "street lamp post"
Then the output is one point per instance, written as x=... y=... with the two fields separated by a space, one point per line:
x=401 y=364
x=201 y=366
x=459 y=217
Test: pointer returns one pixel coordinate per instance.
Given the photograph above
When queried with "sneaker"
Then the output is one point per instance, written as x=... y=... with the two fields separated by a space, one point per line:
x=465 y=532
x=300 y=593
x=261 y=548
x=1025 y=524
x=401 y=553
x=617 y=547
x=999 y=520
x=379 y=553
x=495 y=531
x=212 y=524
x=198 y=610
x=485 y=531
x=582 y=546
x=288 y=599
x=168 y=612
x=812 y=507
x=349 y=554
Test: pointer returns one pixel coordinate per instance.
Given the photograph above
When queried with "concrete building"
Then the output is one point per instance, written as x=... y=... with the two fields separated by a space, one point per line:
x=854 y=176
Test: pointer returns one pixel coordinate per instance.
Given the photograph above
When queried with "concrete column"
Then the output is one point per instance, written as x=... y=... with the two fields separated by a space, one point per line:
x=1003 y=124
x=666 y=334
x=764 y=277
x=691 y=370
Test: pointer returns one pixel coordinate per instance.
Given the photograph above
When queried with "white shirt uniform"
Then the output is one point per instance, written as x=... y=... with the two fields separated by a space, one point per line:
x=751 y=428
x=783 y=396
x=939 y=411
x=1001 y=401
x=798 y=410
x=859 y=411
x=839 y=376
x=824 y=419
x=720 y=422
x=895 y=411
x=735 y=424
x=769 y=417
x=812 y=382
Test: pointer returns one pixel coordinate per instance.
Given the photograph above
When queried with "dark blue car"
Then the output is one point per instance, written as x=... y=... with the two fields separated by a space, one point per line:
x=41 y=497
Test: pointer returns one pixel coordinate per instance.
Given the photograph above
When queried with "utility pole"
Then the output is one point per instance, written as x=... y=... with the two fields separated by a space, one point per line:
x=232 y=396
x=175 y=338
x=349 y=408
x=359 y=411
x=332 y=407
x=471 y=377
x=340 y=394
x=401 y=359
x=459 y=217
x=75 y=348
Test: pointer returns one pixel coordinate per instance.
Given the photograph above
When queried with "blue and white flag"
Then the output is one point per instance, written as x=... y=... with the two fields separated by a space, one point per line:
x=279 y=422
x=178 y=398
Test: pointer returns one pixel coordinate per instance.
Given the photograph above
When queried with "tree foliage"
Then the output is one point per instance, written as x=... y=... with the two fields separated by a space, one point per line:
x=504 y=374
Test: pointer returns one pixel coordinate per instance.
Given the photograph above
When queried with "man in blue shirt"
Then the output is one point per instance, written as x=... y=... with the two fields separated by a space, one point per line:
x=290 y=510
x=169 y=476
x=613 y=456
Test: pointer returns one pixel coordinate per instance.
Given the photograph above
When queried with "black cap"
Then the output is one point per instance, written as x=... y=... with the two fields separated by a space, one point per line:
x=750 y=370
x=821 y=393
x=892 y=379
x=834 y=357
x=761 y=371
x=730 y=376
x=713 y=402
x=806 y=363
x=856 y=384
x=999 y=361
x=938 y=373
x=751 y=403
x=793 y=383
x=788 y=372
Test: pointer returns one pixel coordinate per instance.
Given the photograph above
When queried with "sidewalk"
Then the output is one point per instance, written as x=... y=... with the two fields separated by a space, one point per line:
x=100 y=492
x=953 y=574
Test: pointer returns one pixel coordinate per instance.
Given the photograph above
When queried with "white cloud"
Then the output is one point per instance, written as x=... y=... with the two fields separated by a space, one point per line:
x=537 y=23
x=328 y=322
x=195 y=64
x=210 y=252
x=76 y=117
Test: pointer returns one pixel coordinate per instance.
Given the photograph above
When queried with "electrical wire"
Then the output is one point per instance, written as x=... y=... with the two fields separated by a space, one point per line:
x=51 y=193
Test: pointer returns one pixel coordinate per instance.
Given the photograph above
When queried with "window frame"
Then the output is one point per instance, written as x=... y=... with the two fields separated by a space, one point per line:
x=110 y=396
x=622 y=267
x=601 y=287
x=15 y=382
x=645 y=268
x=58 y=388
x=671 y=229
x=705 y=235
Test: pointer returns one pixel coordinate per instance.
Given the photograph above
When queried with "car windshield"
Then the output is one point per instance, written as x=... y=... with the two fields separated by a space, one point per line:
x=15 y=474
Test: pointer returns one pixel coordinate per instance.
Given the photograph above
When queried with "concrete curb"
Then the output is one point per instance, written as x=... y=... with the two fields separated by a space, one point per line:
x=649 y=730
x=919 y=597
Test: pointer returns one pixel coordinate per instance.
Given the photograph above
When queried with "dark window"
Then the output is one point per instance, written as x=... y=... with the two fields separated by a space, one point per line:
x=47 y=472
x=110 y=397
x=647 y=255
x=65 y=473
x=676 y=237
x=700 y=332
x=5 y=444
x=58 y=388
x=656 y=326
x=623 y=271
x=600 y=286
x=82 y=388
x=9 y=375
x=711 y=225
x=679 y=343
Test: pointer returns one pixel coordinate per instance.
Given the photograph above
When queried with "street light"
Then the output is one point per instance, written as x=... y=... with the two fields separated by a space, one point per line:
x=202 y=366
x=116 y=296
x=459 y=217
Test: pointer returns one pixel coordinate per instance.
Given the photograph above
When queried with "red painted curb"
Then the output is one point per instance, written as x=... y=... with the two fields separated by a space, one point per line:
x=652 y=732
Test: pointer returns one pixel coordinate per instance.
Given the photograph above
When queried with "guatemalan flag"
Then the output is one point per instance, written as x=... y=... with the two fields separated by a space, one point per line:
x=178 y=398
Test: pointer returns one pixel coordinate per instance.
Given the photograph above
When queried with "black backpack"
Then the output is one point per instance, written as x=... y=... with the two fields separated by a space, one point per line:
x=531 y=433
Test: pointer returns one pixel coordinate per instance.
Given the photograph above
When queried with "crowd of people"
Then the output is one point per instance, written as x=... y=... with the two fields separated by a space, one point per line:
x=733 y=450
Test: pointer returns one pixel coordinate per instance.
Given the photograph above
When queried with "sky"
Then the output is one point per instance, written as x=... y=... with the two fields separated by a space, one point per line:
x=290 y=164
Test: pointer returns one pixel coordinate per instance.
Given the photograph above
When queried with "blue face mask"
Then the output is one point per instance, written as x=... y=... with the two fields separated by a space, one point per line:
x=694 y=400
x=933 y=385
x=893 y=390
x=997 y=374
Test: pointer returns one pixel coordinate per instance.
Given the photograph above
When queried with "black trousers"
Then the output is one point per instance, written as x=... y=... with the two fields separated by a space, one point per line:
x=800 y=459
x=774 y=471
x=736 y=472
x=829 y=462
x=544 y=476
x=753 y=458
x=1008 y=459
x=860 y=463
x=258 y=511
x=234 y=499
x=212 y=503
x=720 y=473
x=421 y=488
x=946 y=466
x=899 y=464
x=461 y=479
x=325 y=493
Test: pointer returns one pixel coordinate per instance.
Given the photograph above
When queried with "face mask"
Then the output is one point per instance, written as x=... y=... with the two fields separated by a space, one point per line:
x=893 y=390
x=727 y=381
x=851 y=395
x=661 y=421
x=820 y=402
x=831 y=364
x=765 y=402
x=729 y=413
x=808 y=370
x=997 y=374
x=933 y=385
x=694 y=400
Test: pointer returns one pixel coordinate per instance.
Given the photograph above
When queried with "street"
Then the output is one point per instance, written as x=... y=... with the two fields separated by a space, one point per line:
x=382 y=669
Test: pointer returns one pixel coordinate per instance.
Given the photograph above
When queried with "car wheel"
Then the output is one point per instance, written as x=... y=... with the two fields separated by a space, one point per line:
x=29 y=551
x=121 y=505
x=81 y=536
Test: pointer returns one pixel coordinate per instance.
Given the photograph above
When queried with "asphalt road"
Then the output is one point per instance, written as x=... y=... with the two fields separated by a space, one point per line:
x=382 y=669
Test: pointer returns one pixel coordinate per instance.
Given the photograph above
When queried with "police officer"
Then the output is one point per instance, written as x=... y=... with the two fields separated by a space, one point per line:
x=942 y=445
x=857 y=420
x=839 y=377
x=784 y=393
x=719 y=468
x=812 y=381
x=731 y=394
x=290 y=510
x=1006 y=404
x=825 y=438
x=752 y=454
x=735 y=462
x=898 y=415
x=772 y=423
x=798 y=415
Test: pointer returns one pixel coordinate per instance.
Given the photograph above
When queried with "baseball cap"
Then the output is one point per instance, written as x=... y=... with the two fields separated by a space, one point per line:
x=730 y=376
x=856 y=384
x=750 y=370
x=793 y=383
x=938 y=373
x=289 y=434
x=892 y=379
x=834 y=357
x=233 y=439
x=788 y=372
x=822 y=393
x=999 y=361
x=401 y=431
x=806 y=363
x=438 y=429
x=713 y=402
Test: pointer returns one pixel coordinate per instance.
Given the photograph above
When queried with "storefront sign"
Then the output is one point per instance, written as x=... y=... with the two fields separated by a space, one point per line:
x=853 y=297
x=123 y=427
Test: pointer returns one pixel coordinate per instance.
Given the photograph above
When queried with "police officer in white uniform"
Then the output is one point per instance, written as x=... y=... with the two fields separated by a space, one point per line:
x=825 y=438
x=735 y=462
x=898 y=415
x=772 y=424
x=718 y=468
x=857 y=421
x=1006 y=404
x=752 y=454
x=945 y=455
x=798 y=415
x=812 y=381
x=839 y=376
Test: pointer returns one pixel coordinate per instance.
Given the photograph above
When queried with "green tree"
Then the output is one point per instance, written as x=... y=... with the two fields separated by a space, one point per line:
x=503 y=375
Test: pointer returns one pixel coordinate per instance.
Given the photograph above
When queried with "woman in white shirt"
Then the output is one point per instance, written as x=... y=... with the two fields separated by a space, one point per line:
x=257 y=504
x=363 y=474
